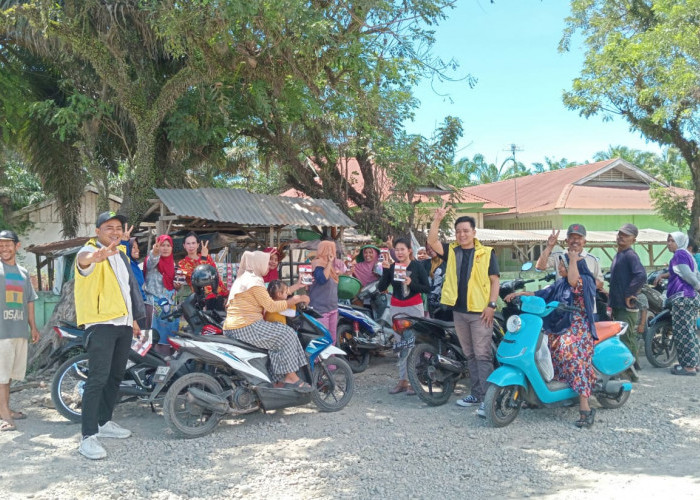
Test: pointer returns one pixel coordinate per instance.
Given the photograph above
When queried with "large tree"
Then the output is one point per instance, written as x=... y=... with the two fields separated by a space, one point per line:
x=274 y=71
x=642 y=63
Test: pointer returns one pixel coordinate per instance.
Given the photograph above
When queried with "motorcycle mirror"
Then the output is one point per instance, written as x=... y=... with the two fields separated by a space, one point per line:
x=526 y=266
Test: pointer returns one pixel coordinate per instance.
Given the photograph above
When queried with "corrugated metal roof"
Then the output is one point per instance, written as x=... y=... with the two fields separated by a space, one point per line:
x=55 y=247
x=238 y=206
x=507 y=236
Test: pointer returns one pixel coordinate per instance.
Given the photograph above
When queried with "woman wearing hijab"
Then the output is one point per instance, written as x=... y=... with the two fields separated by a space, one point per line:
x=683 y=282
x=133 y=253
x=247 y=303
x=276 y=256
x=366 y=265
x=572 y=336
x=323 y=292
x=159 y=274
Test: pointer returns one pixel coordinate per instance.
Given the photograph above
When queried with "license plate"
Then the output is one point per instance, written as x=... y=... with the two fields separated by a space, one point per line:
x=161 y=373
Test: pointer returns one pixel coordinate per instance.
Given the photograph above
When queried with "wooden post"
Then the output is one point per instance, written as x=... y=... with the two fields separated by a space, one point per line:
x=272 y=236
x=38 y=270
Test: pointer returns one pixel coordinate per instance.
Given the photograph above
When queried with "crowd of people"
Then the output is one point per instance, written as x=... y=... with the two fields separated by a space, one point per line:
x=116 y=297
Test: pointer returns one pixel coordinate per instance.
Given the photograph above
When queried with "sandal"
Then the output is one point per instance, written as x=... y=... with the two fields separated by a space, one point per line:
x=299 y=386
x=7 y=426
x=18 y=415
x=679 y=370
x=586 y=419
x=410 y=391
x=399 y=388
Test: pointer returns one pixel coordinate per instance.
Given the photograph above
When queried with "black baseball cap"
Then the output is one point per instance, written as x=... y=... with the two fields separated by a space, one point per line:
x=6 y=234
x=576 y=229
x=105 y=216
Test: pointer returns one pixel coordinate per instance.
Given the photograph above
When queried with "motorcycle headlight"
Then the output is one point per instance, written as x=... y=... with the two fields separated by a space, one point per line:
x=513 y=324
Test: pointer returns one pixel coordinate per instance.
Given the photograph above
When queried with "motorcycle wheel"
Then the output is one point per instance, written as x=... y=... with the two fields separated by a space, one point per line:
x=421 y=367
x=614 y=404
x=501 y=407
x=358 y=359
x=659 y=347
x=186 y=418
x=67 y=387
x=332 y=389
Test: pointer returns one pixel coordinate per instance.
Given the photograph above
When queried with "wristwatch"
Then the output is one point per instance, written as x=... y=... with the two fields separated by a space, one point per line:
x=492 y=305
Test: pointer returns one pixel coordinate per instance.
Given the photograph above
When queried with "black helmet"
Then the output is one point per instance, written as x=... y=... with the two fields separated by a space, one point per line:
x=205 y=275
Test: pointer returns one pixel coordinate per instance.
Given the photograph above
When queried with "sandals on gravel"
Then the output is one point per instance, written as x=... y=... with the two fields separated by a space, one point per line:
x=7 y=426
x=18 y=415
x=586 y=419
x=399 y=388
x=679 y=370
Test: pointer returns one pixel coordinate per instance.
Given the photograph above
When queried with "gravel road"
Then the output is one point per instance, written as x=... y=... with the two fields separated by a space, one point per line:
x=380 y=446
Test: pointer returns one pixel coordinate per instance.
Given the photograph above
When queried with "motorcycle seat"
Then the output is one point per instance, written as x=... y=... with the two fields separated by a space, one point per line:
x=607 y=329
x=446 y=325
x=222 y=339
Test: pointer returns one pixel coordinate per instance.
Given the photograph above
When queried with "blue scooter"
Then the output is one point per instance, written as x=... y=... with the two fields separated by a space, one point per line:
x=519 y=378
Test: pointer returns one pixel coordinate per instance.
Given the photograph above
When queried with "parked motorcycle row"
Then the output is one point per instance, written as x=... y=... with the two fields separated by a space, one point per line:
x=210 y=376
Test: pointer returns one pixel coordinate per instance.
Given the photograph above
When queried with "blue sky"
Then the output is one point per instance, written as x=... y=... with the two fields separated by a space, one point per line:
x=510 y=47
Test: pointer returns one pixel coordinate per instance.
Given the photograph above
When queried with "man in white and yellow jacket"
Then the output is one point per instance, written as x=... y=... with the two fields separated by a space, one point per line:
x=108 y=303
x=470 y=289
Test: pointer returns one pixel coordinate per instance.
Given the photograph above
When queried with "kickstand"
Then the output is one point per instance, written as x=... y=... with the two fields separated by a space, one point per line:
x=153 y=408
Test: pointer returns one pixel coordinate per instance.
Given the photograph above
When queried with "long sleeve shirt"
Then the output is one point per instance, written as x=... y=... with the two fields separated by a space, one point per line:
x=419 y=283
x=627 y=276
x=248 y=307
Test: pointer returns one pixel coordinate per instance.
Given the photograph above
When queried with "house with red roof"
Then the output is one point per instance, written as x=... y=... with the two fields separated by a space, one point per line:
x=602 y=196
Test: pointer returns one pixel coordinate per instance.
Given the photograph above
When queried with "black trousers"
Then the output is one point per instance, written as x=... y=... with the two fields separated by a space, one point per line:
x=108 y=351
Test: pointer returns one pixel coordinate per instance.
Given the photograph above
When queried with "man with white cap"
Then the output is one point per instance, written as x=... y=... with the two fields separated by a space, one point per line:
x=627 y=276
x=575 y=240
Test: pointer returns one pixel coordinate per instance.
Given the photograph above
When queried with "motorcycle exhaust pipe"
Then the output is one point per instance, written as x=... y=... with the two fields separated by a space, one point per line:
x=614 y=386
x=212 y=402
x=449 y=364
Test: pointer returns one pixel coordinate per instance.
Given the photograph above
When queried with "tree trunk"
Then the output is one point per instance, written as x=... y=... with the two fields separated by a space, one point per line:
x=64 y=311
x=139 y=190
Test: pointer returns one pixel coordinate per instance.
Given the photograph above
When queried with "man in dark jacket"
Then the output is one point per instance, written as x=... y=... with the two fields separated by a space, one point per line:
x=627 y=276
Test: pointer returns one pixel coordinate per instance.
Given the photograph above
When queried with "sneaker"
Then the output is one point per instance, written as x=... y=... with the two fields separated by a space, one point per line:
x=481 y=410
x=91 y=448
x=112 y=430
x=468 y=401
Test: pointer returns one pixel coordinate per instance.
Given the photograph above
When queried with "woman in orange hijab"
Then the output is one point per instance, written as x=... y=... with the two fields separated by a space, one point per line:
x=324 y=290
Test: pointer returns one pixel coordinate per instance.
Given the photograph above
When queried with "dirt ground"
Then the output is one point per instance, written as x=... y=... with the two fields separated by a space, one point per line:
x=380 y=446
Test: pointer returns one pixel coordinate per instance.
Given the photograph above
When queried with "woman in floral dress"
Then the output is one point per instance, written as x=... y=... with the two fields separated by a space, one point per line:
x=572 y=336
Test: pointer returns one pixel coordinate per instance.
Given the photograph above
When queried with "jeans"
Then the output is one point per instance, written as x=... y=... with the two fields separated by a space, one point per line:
x=108 y=351
x=475 y=339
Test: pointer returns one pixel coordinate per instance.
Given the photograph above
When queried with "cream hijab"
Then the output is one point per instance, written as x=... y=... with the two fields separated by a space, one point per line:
x=253 y=266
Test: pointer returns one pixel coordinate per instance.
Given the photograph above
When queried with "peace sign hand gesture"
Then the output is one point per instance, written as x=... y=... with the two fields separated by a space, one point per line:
x=127 y=232
x=156 y=249
x=205 y=248
x=553 y=239
x=441 y=212
x=101 y=254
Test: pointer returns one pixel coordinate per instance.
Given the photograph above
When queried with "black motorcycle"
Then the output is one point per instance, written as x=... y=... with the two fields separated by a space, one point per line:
x=68 y=382
x=436 y=362
x=659 y=347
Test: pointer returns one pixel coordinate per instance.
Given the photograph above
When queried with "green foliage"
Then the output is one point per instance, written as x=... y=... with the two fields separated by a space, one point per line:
x=642 y=63
x=669 y=167
x=672 y=206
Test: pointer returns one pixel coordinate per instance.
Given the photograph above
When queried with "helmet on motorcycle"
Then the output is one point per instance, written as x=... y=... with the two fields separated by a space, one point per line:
x=205 y=275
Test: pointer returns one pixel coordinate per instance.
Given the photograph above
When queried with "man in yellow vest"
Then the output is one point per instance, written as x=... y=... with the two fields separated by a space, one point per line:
x=470 y=288
x=108 y=303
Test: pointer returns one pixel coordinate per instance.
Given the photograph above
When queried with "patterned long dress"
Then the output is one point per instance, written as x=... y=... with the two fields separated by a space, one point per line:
x=572 y=352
